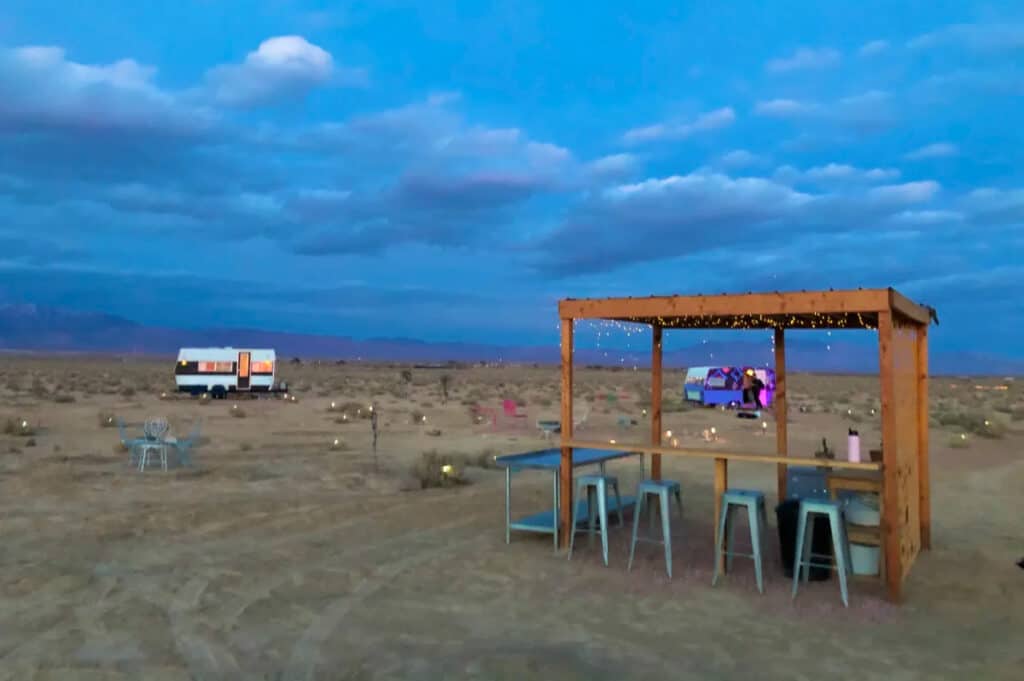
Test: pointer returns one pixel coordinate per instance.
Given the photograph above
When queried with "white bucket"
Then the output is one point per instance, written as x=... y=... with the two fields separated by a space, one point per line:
x=864 y=559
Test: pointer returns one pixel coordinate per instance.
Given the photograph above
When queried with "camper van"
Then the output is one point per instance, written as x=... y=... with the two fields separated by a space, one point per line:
x=724 y=385
x=218 y=371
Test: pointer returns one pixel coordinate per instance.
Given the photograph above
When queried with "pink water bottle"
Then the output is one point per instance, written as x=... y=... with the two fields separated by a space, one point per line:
x=853 y=447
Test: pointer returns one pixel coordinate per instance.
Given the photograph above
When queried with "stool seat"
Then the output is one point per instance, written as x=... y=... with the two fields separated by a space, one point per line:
x=810 y=509
x=662 y=489
x=735 y=499
x=595 y=487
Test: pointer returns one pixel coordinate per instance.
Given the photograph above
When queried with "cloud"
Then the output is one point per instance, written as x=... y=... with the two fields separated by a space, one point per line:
x=836 y=172
x=740 y=158
x=927 y=217
x=785 y=108
x=613 y=166
x=909 y=192
x=974 y=37
x=936 y=150
x=873 y=48
x=41 y=90
x=865 y=112
x=682 y=215
x=712 y=120
x=285 y=67
x=805 y=58
x=995 y=206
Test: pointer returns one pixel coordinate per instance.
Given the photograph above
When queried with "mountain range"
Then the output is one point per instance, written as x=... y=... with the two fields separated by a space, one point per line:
x=32 y=328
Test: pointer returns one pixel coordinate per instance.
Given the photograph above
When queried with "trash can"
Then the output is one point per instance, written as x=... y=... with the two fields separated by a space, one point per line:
x=787 y=514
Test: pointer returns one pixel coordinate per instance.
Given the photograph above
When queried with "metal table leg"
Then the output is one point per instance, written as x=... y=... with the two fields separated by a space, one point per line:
x=508 y=504
x=554 y=527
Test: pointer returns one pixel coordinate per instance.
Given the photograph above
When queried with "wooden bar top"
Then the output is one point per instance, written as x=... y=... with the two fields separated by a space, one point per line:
x=835 y=464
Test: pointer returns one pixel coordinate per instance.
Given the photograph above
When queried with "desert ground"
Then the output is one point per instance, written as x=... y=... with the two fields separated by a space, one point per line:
x=283 y=554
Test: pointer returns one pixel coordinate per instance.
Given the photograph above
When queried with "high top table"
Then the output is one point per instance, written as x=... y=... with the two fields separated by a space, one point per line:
x=546 y=522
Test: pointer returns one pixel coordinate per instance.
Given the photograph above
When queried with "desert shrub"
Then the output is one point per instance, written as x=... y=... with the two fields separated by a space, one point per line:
x=544 y=402
x=674 y=406
x=338 y=445
x=417 y=417
x=237 y=411
x=106 y=419
x=19 y=426
x=427 y=405
x=437 y=470
x=245 y=447
x=63 y=398
x=205 y=398
x=971 y=423
x=959 y=441
x=434 y=432
x=31 y=442
x=127 y=391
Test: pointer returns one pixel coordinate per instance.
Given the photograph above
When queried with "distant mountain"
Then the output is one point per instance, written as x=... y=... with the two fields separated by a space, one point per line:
x=42 y=329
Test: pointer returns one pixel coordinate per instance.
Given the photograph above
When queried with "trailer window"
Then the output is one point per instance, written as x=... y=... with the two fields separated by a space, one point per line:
x=263 y=367
x=216 y=367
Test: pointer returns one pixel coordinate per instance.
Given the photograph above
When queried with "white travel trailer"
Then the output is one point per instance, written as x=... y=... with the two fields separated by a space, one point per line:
x=218 y=371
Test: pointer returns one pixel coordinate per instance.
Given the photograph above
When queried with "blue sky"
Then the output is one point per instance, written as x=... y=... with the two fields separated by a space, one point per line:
x=448 y=171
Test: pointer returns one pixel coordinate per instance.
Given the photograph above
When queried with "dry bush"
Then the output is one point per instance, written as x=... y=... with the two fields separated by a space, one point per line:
x=63 y=398
x=338 y=445
x=959 y=442
x=417 y=417
x=127 y=391
x=437 y=470
x=237 y=411
x=106 y=419
x=19 y=426
x=434 y=432
x=971 y=423
x=245 y=447
x=205 y=398
x=354 y=410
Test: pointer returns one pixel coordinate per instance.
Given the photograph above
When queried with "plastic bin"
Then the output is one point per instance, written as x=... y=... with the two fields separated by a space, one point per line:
x=787 y=515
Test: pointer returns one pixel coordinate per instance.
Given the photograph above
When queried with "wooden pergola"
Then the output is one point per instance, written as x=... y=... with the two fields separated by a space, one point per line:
x=903 y=364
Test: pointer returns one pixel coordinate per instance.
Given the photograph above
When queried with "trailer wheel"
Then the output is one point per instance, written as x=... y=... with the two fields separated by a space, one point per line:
x=219 y=392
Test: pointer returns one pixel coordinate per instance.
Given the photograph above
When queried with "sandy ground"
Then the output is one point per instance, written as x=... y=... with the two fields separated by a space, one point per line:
x=280 y=556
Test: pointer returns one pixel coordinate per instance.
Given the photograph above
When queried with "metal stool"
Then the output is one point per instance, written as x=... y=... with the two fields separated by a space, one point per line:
x=753 y=501
x=661 y=489
x=809 y=508
x=595 y=486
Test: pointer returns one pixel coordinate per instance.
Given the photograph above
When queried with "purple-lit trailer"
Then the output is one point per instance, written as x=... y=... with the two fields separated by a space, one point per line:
x=724 y=385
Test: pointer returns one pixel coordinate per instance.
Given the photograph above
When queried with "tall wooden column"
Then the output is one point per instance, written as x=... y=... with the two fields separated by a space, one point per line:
x=890 y=461
x=565 y=500
x=924 y=481
x=656 y=376
x=781 y=409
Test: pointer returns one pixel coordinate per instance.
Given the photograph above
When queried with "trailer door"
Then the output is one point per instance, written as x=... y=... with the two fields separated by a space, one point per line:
x=244 y=370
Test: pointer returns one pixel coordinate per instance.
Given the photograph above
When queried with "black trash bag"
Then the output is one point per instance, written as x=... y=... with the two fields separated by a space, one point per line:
x=787 y=514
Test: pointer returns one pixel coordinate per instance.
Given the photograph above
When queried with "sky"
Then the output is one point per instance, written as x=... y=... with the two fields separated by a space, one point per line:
x=449 y=170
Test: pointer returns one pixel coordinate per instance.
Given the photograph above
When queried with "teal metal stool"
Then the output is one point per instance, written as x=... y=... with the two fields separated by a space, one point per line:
x=803 y=561
x=753 y=502
x=662 y=489
x=595 y=486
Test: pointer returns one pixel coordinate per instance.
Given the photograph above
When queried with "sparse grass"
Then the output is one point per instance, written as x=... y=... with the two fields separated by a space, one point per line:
x=245 y=447
x=237 y=411
x=437 y=470
x=106 y=419
x=64 y=398
x=338 y=445
x=434 y=432
x=959 y=442
x=417 y=417
x=127 y=391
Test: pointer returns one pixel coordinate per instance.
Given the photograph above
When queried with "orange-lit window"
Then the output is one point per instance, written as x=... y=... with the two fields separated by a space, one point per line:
x=216 y=367
x=263 y=367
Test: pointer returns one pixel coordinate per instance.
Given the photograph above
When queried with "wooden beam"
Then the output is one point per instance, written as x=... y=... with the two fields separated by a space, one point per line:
x=781 y=410
x=909 y=309
x=890 y=476
x=656 y=390
x=565 y=500
x=924 y=480
x=641 y=448
x=721 y=484
x=778 y=303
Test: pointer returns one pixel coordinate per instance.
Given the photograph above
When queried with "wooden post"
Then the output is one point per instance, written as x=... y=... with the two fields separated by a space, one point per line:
x=656 y=390
x=890 y=462
x=565 y=500
x=721 y=484
x=781 y=412
x=924 y=481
